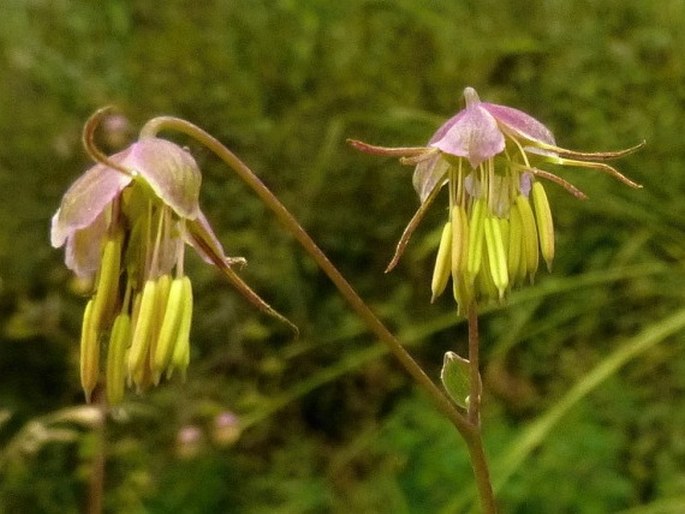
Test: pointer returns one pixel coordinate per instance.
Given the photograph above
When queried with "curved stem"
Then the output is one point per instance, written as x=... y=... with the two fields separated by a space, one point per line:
x=88 y=140
x=469 y=431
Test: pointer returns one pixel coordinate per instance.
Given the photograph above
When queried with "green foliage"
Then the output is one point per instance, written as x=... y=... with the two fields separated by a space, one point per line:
x=330 y=424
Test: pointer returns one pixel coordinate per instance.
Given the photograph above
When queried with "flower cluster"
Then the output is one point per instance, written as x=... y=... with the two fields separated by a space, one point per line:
x=499 y=222
x=125 y=223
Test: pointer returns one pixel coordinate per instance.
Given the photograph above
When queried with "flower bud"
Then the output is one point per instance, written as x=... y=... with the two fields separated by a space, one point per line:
x=455 y=377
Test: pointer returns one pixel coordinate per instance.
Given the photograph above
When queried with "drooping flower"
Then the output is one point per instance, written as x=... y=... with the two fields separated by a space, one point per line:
x=125 y=223
x=499 y=220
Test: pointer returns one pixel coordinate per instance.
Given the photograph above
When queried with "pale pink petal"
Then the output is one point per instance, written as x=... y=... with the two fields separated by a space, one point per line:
x=429 y=174
x=87 y=198
x=83 y=249
x=171 y=172
x=445 y=127
x=520 y=123
x=475 y=136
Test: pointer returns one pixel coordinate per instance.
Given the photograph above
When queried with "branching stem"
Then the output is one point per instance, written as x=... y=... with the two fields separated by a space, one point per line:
x=469 y=431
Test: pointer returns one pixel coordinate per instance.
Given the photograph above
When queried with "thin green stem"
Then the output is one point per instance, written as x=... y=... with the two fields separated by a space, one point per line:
x=479 y=462
x=469 y=431
x=474 y=366
x=96 y=480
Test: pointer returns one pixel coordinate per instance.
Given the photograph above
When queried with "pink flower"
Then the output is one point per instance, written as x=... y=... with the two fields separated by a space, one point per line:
x=488 y=155
x=125 y=223
x=151 y=170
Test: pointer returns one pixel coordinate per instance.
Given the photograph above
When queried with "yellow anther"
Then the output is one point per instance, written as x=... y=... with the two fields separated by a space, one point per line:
x=116 y=358
x=106 y=294
x=530 y=235
x=476 y=236
x=90 y=351
x=181 y=354
x=497 y=257
x=168 y=333
x=515 y=258
x=140 y=342
x=443 y=261
x=543 y=216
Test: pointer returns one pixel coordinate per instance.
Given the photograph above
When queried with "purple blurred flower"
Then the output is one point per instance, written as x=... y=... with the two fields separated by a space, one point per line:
x=189 y=441
x=226 y=429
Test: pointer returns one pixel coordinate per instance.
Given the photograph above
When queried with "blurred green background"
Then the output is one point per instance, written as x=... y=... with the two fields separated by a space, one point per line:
x=584 y=372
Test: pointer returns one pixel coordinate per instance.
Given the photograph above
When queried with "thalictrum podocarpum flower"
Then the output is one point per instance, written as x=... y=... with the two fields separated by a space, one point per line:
x=499 y=221
x=125 y=223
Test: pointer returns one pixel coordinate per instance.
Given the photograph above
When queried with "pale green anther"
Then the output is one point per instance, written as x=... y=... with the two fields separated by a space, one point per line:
x=543 y=216
x=161 y=298
x=530 y=235
x=140 y=342
x=168 y=333
x=462 y=291
x=134 y=258
x=116 y=358
x=107 y=289
x=514 y=257
x=497 y=257
x=476 y=236
x=443 y=261
x=460 y=227
x=485 y=285
x=181 y=354
x=90 y=351
x=462 y=288
x=504 y=228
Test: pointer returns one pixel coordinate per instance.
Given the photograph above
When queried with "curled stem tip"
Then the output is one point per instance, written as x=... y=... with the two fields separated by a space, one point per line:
x=88 y=140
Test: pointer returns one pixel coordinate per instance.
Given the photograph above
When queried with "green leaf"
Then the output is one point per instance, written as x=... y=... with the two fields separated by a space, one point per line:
x=455 y=378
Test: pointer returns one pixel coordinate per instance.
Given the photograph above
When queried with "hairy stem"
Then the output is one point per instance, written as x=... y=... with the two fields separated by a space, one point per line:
x=469 y=431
